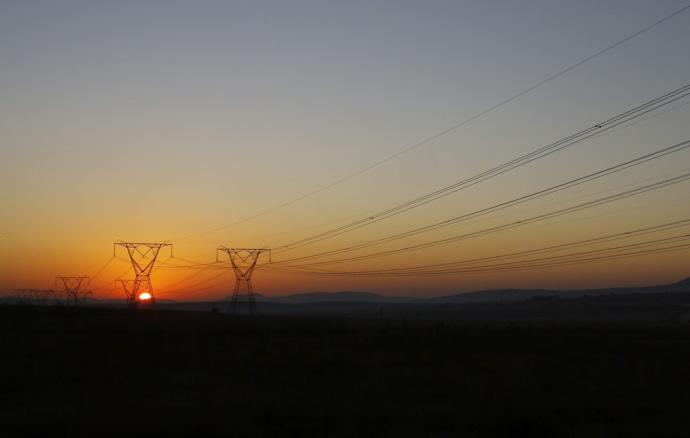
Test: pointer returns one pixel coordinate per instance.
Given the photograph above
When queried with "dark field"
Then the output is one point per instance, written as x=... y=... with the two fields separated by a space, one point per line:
x=109 y=372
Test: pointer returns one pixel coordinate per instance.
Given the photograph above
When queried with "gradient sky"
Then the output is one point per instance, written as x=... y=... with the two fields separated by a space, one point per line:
x=154 y=120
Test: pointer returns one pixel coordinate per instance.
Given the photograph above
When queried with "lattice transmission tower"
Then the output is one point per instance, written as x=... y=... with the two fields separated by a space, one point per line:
x=243 y=262
x=72 y=288
x=143 y=257
x=129 y=287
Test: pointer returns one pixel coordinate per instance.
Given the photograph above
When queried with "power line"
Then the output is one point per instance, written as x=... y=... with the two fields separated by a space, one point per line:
x=493 y=269
x=125 y=272
x=190 y=277
x=444 y=131
x=173 y=267
x=507 y=204
x=368 y=213
x=534 y=219
x=550 y=261
x=576 y=260
x=557 y=259
x=522 y=160
x=202 y=282
x=100 y=271
x=543 y=250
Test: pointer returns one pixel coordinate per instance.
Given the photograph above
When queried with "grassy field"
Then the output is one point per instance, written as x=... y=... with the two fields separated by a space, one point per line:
x=111 y=373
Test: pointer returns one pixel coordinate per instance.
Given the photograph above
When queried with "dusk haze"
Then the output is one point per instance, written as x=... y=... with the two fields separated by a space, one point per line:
x=265 y=183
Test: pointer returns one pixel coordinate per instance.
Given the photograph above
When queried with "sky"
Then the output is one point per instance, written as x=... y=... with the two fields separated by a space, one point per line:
x=169 y=121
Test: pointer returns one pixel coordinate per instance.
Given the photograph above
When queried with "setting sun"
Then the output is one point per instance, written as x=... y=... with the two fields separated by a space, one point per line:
x=145 y=296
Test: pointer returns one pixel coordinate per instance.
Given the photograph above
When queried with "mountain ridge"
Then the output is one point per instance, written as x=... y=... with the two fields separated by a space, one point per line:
x=480 y=296
x=490 y=295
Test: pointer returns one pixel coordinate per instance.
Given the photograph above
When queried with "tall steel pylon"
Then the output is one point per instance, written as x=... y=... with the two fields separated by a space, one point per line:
x=243 y=262
x=143 y=257
x=72 y=288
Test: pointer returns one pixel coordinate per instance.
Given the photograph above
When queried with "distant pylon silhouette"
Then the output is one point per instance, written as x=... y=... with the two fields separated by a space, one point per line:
x=243 y=262
x=143 y=257
x=73 y=288
x=130 y=288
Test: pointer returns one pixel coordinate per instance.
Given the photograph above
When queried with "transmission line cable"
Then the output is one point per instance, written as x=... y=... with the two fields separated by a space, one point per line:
x=506 y=204
x=442 y=132
x=100 y=270
x=496 y=171
x=551 y=261
x=201 y=282
x=534 y=219
x=544 y=250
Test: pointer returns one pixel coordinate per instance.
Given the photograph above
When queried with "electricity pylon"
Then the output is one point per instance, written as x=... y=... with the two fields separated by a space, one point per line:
x=143 y=257
x=73 y=288
x=243 y=262
x=130 y=290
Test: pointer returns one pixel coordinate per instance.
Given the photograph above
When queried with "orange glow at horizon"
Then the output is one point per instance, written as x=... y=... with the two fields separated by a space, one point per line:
x=178 y=132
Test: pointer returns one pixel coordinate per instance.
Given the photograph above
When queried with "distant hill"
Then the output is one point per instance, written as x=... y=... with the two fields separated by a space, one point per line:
x=683 y=284
x=490 y=296
x=510 y=295
x=331 y=297
x=484 y=296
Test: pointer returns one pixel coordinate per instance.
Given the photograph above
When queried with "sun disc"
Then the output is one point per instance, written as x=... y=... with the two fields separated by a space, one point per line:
x=145 y=296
